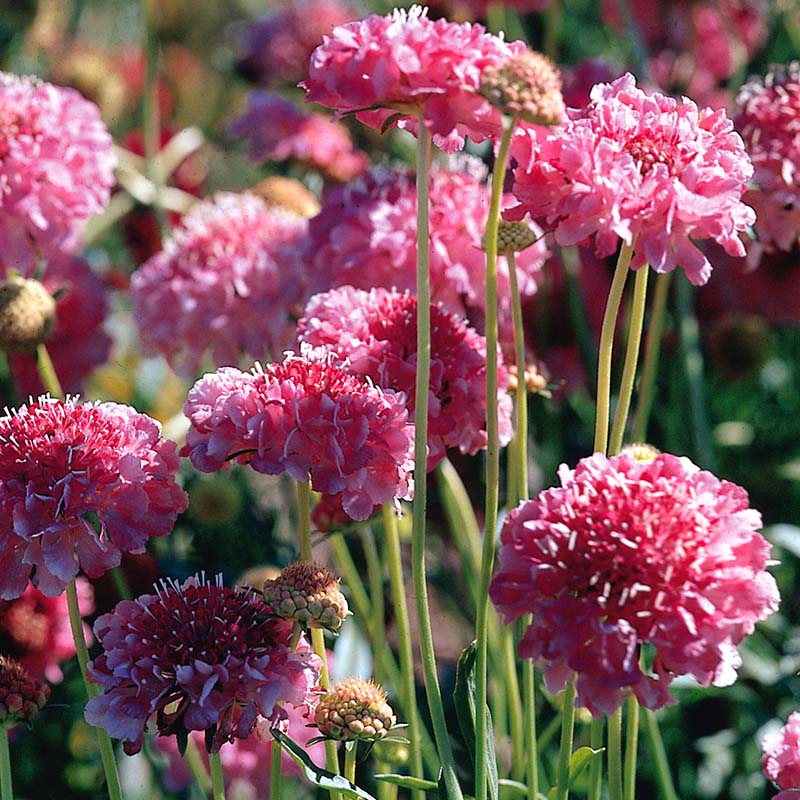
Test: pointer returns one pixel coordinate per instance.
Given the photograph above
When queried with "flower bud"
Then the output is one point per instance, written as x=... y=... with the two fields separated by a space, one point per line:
x=354 y=709
x=27 y=312
x=22 y=697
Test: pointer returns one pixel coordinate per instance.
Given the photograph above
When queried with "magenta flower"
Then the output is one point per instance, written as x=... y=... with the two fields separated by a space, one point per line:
x=222 y=283
x=310 y=418
x=277 y=130
x=375 y=332
x=201 y=657
x=64 y=465
x=391 y=69
x=625 y=554
x=781 y=759
x=641 y=168
x=56 y=168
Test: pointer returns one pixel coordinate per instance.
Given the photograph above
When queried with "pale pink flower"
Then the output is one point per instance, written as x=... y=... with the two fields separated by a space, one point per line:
x=627 y=553
x=200 y=657
x=63 y=464
x=638 y=168
x=310 y=418
x=56 y=168
x=277 y=130
x=221 y=284
x=392 y=69
x=781 y=759
x=375 y=332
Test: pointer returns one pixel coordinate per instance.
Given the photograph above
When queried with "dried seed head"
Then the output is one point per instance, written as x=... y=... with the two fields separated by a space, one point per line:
x=355 y=709
x=27 y=312
x=641 y=452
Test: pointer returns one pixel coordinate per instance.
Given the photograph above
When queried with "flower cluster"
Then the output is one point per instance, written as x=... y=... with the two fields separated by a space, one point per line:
x=628 y=553
x=200 y=656
x=63 y=465
x=641 y=168
x=56 y=168
x=781 y=759
x=221 y=283
x=22 y=696
x=376 y=332
x=310 y=418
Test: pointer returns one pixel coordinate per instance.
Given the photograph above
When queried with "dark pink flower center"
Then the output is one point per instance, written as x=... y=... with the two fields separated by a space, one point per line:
x=648 y=151
x=12 y=126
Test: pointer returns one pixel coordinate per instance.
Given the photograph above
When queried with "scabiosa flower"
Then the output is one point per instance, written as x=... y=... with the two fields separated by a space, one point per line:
x=354 y=709
x=22 y=696
x=781 y=759
x=376 y=332
x=64 y=465
x=35 y=629
x=310 y=418
x=220 y=284
x=640 y=167
x=768 y=118
x=628 y=554
x=391 y=69
x=277 y=130
x=200 y=656
x=56 y=168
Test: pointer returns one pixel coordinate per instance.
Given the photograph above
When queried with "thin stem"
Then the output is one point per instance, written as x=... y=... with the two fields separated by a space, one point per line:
x=375 y=576
x=408 y=688
x=6 y=789
x=631 y=360
x=521 y=435
x=652 y=349
x=515 y=721
x=552 y=30
x=304 y=519
x=92 y=690
x=47 y=373
x=121 y=583
x=217 y=779
x=659 y=754
x=420 y=468
x=565 y=749
x=615 y=756
x=349 y=763
x=606 y=346
x=492 y=468
x=596 y=769
x=529 y=702
x=275 y=765
x=199 y=772
x=631 y=747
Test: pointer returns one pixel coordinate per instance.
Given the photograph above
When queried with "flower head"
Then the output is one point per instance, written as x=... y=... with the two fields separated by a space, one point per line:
x=376 y=332
x=310 y=418
x=646 y=169
x=22 y=697
x=79 y=486
x=393 y=68
x=27 y=311
x=278 y=191
x=200 y=656
x=354 y=709
x=221 y=283
x=626 y=554
x=56 y=168
x=781 y=759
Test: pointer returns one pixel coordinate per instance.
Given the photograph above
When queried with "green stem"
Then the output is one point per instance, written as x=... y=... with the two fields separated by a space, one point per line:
x=427 y=651
x=659 y=754
x=217 y=779
x=378 y=618
x=615 y=791
x=606 y=346
x=552 y=30
x=121 y=583
x=492 y=468
x=200 y=774
x=275 y=765
x=304 y=519
x=48 y=373
x=521 y=434
x=578 y=316
x=631 y=747
x=6 y=789
x=92 y=690
x=529 y=702
x=631 y=360
x=655 y=332
x=596 y=769
x=408 y=688
x=349 y=762
x=515 y=720
x=565 y=748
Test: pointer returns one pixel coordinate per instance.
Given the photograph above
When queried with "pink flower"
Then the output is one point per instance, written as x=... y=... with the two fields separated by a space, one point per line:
x=627 y=553
x=277 y=130
x=768 y=118
x=781 y=759
x=35 y=630
x=366 y=234
x=646 y=169
x=63 y=464
x=200 y=656
x=391 y=69
x=78 y=342
x=56 y=168
x=310 y=418
x=376 y=333
x=222 y=283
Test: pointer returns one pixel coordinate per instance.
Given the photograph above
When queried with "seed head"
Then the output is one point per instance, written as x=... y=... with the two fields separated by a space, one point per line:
x=27 y=311
x=287 y=193
x=512 y=237
x=355 y=709
x=641 y=452
x=21 y=696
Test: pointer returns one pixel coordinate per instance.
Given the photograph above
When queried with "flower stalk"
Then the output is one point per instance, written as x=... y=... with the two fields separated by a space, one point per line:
x=565 y=748
x=615 y=790
x=217 y=778
x=6 y=790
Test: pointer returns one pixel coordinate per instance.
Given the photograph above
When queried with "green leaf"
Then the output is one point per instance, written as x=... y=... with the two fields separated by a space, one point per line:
x=581 y=759
x=408 y=782
x=317 y=775
x=514 y=789
x=464 y=699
